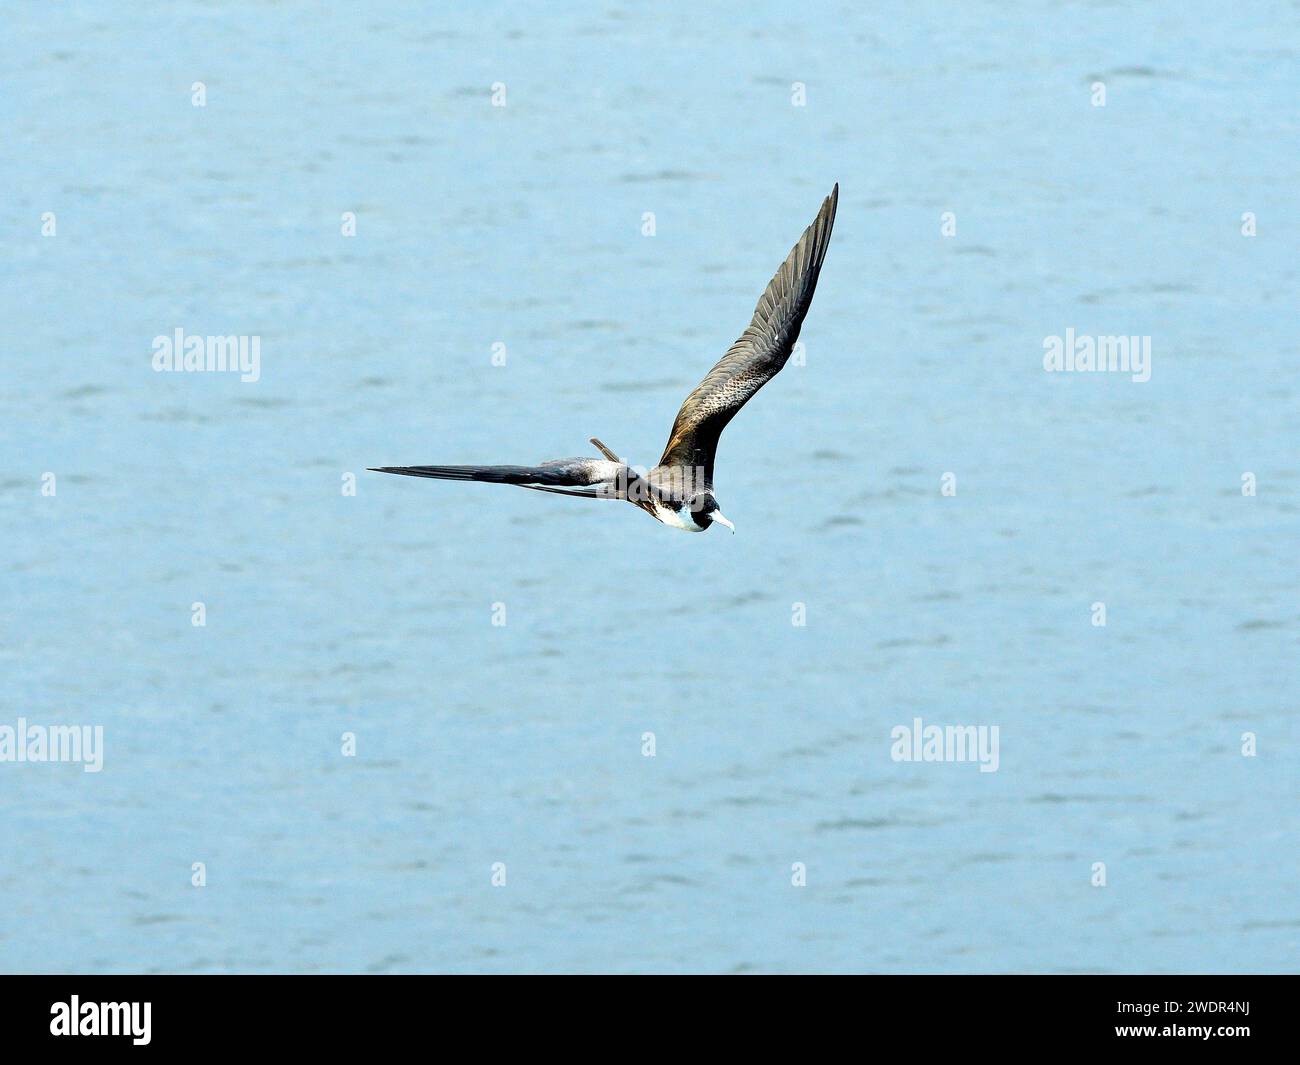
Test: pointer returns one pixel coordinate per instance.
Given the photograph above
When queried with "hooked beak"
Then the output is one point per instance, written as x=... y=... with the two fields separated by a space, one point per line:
x=717 y=516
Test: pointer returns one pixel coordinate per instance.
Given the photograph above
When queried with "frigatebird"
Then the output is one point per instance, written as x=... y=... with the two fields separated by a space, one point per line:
x=679 y=490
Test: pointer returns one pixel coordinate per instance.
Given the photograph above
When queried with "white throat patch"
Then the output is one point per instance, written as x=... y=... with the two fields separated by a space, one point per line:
x=678 y=519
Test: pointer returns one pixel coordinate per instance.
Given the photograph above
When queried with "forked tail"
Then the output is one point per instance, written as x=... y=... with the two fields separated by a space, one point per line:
x=605 y=451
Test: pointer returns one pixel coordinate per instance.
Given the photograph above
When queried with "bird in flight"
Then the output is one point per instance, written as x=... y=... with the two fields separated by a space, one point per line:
x=679 y=490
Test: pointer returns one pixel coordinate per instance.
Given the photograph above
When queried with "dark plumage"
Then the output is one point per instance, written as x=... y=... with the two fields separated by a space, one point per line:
x=679 y=490
x=758 y=355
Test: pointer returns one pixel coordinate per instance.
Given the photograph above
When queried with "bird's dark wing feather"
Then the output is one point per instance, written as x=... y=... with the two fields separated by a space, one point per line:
x=563 y=476
x=758 y=355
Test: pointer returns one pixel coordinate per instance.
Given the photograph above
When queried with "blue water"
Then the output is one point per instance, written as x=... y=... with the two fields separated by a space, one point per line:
x=522 y=743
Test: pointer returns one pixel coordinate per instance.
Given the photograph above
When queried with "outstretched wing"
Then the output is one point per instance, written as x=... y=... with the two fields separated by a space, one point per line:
x=757 y=356
x=571 y=477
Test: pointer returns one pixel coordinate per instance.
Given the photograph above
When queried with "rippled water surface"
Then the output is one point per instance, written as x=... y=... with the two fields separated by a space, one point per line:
x=523 y=743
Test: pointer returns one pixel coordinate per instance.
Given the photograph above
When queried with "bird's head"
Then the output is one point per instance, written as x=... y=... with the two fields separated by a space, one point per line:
x=704 y=509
